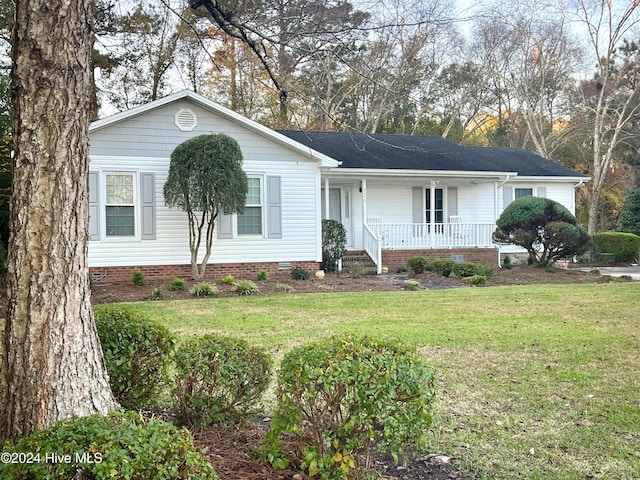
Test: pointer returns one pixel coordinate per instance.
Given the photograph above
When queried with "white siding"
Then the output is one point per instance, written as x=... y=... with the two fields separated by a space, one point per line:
x=563 y=193
x=145 y=143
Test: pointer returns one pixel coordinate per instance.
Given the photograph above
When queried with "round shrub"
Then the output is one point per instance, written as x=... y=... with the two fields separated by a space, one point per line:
x=178 y=284
x=417 y=265
x=119 y=445
x=137 y=352
x=443 y=266
x=218 y=379
x=300 y=273
x=351 y=395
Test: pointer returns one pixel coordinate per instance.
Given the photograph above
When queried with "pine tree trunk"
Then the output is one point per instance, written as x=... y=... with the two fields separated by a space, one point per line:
x=53 y=366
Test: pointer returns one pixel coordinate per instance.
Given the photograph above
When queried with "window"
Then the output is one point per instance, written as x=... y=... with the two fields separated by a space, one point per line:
x=438 y=207
x=522 y=192
x=250 y=222
x=120 y=205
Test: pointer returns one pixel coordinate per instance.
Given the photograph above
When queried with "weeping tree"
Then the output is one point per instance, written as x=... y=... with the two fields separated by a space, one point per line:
x=545 y=228
x=205 y=179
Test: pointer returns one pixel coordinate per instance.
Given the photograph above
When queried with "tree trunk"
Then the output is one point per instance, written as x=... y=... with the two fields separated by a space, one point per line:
x=53 y=366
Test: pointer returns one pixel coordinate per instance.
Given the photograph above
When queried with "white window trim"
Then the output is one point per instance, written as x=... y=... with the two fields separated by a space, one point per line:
x=103 y=206
x=263 y=212
x=445 y=206
x=534 y=190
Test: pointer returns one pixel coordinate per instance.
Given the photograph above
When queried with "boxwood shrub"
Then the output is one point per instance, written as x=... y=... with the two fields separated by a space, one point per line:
x=122 y=445
x=137 y=352
x=417 y=264
x=469 y=269
x=443 y=266
x=348 y=396
x=218 y=380
x=624 y=246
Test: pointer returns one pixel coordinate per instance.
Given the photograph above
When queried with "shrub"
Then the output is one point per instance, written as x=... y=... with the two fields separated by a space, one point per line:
x=545 y=228
x=138 y=278
x=443 y=266
x=417 y=265
x=347 y=396
x=506 y=263
x=203 y=289
x=262 y=275
x=476 y=280
x=469 y=269
x=228 y=280
x=119 y=445
x=246 y=287
x=357 y=269
x=178 y=284
x=284 y=288
x=299 y=273
x=218 y=380
x=157 y=294
x=334 y=242
x=137 y=353
x=411 y=285
x=624 y=246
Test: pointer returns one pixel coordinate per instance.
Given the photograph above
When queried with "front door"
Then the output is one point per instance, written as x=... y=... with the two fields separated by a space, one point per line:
x=340 y=209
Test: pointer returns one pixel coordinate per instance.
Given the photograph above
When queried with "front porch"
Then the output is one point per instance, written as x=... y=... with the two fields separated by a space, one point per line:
x=448 y=237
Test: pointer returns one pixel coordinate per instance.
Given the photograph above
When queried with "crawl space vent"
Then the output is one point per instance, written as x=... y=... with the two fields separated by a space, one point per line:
x=186 y=120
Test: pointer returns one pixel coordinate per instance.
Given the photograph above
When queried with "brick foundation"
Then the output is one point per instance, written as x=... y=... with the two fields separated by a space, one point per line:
x=214 y=271
x=395 y=259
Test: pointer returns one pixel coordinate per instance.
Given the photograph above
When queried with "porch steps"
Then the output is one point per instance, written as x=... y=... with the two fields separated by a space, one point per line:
x=362 y=259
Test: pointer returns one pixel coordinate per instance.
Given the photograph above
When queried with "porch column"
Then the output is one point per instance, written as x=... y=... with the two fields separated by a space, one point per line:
x=327 y=214
x=363 y=189
x=432 y=212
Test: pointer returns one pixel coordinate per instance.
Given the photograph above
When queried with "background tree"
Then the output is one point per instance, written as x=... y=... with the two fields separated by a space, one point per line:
x=53 y=366
x=205 y=179
x=630 y=215
x=545 y=228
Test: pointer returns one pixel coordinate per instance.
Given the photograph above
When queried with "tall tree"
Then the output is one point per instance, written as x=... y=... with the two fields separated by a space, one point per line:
x=53 y=366
x=612 y=100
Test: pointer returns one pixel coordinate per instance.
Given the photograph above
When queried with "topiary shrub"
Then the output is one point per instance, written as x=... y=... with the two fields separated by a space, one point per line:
x=347 y=396
x=119 y=445
x=545 y=228
x=334 y=243
x=443 y=266
x=137 y=353
x=417 y=265
x=625 y=247
x=218 y=380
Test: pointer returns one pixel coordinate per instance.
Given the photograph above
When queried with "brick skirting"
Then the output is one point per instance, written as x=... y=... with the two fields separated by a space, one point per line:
x=214 y=270
x=395 y=259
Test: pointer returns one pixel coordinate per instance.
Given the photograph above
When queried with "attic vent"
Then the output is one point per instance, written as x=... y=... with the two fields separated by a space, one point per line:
x=186 y=120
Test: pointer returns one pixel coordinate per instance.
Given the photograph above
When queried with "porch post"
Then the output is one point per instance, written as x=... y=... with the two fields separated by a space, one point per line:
x=327 y=214
x=363 y=189
x=432 y=212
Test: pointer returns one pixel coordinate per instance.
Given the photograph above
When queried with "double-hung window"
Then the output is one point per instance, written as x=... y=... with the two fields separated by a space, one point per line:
x=120 y=205
x=250 y=221
x=522 y=192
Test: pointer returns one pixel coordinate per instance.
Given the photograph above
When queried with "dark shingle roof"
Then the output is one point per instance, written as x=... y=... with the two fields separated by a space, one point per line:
x=413 y=152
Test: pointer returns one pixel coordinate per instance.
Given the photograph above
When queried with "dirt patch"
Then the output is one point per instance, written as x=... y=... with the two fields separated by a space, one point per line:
x=110 y=292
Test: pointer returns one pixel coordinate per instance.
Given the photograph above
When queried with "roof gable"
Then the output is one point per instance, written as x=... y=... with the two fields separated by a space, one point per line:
x=224 y=112
x=415 y=152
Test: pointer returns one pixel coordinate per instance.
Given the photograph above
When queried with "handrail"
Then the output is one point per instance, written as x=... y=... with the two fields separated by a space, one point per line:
x=373 y=247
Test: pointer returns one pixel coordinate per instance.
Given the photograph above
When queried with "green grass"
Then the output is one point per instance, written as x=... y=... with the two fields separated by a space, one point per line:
x=535 y=382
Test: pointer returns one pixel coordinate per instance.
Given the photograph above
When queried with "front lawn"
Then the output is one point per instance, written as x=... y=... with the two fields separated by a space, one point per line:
x=534 y=381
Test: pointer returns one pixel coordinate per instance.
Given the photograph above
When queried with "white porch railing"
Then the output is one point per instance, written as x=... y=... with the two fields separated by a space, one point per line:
x=373 y=247
x=423 y=235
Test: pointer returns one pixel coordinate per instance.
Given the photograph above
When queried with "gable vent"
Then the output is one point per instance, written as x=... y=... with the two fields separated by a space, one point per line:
x=186 y=120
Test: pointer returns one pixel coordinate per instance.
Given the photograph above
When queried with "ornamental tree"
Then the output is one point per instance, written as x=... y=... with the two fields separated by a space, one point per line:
x=545 y=228
x=205 y=179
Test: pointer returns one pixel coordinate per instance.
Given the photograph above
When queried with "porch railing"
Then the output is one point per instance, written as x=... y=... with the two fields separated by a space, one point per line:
x=425 y=235
x=373 y=247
